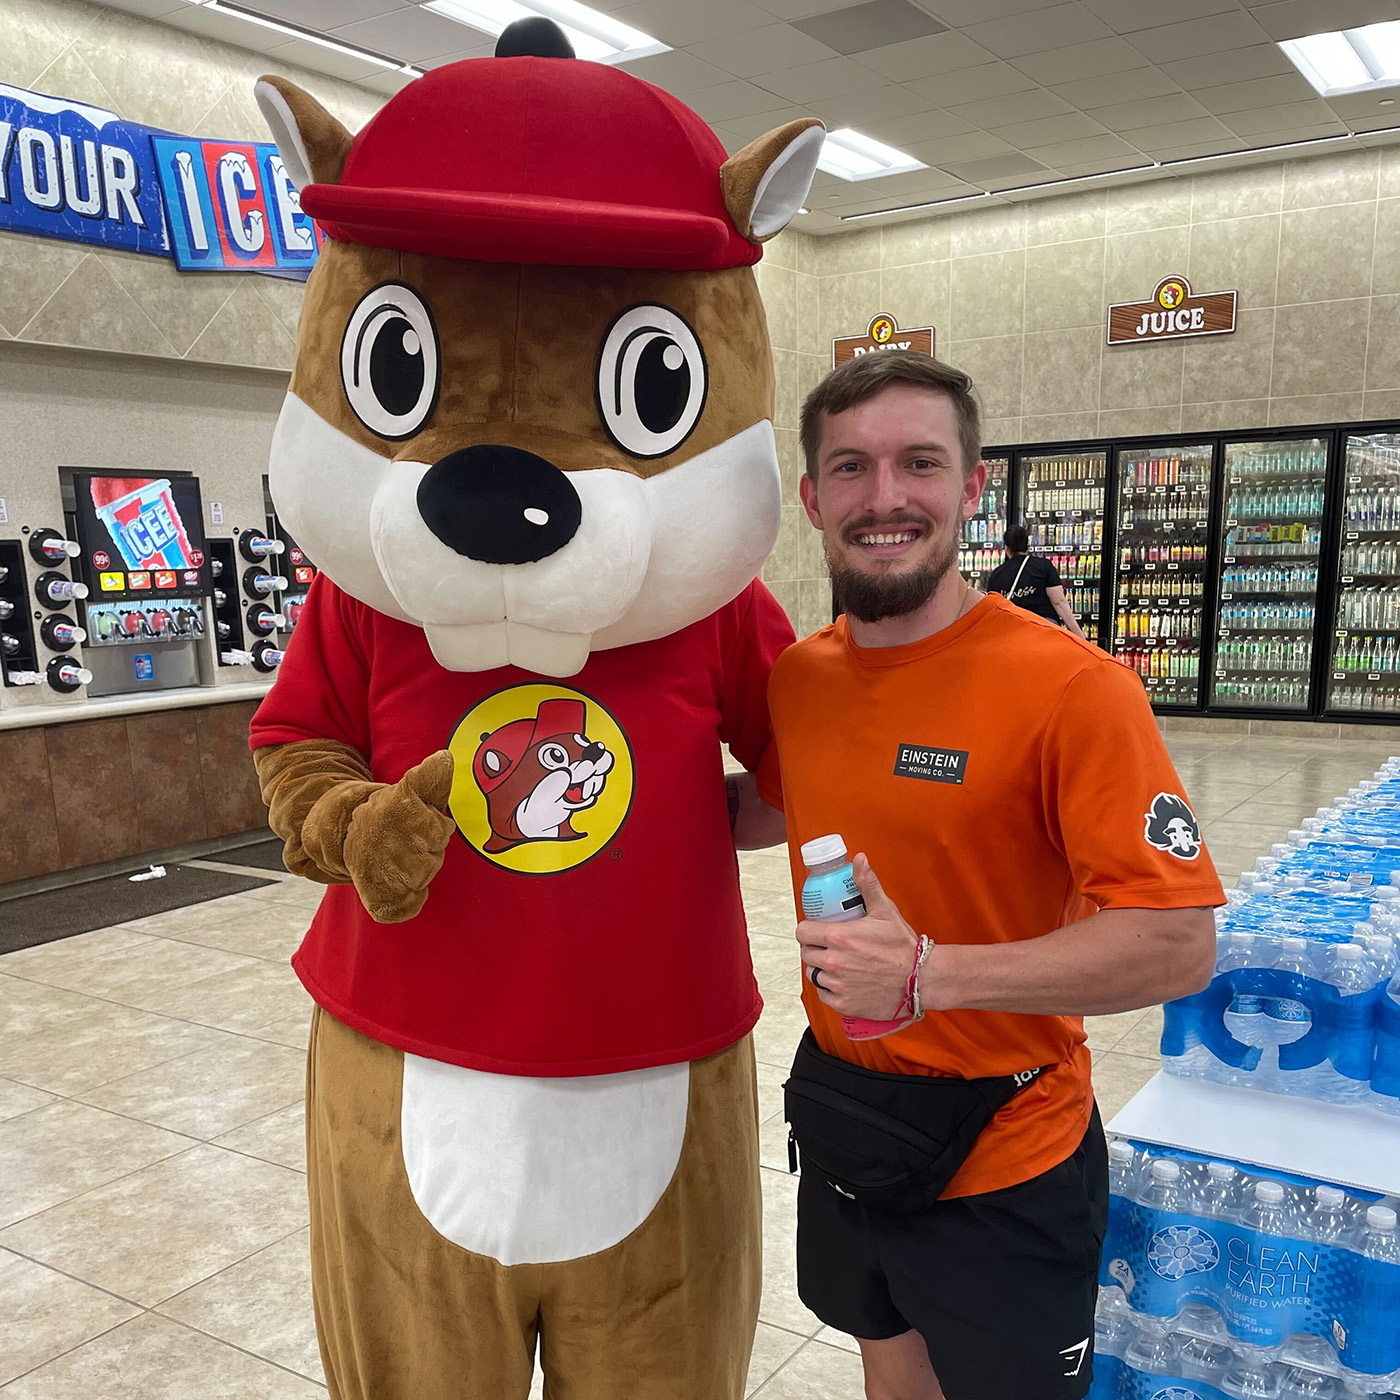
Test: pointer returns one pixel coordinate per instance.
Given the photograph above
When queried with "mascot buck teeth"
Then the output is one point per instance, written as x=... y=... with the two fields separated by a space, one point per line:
x=528 y=441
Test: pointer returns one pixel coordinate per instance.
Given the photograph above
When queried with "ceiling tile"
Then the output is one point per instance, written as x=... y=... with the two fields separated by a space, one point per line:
x=1016 y=166
x=1080 y=61
x=1282 y=118
x=736 y=99
x=832 y=77
x=681 y=23
x=1128 y=16
x=993 y=112
x=1291 y=19
x=922 y=58
x=677 y=71
x=873 y=105
x=1155 y=138
x=1105 y=150
x=750 y=128
x=322 y=60
x=324 y=14
x=1196 y=37
x=225 y=29
x=1151 y=111
x=1289 y=135
x=1072 y=127
x=386 y=83
x=760 y=50
x=480 y=51
x=932 y=125
x=873 y=25
x=1132 y=86
x=1036 y=32
x=799 y=9
x=985 y=81
x=1202 y=148
x=1363 y=106
x=1257 y=92
x=1234 y=66
x=965 y=12
x=412 y=33
x=959 y=148
x=148 y=9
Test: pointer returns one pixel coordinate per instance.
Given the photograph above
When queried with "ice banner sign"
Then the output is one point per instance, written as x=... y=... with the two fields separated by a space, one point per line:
x=76 y=172
x=73 y=171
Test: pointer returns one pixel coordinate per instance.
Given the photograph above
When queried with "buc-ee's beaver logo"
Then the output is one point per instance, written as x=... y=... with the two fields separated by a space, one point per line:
x=544 y=778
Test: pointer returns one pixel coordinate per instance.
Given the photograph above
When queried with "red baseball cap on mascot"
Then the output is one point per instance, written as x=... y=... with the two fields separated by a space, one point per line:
x=514 y=740
x=536 y=159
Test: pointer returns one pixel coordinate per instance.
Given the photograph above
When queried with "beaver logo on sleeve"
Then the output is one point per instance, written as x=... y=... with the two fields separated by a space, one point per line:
x=1172 y=827
x=544 y=778
x=537 y=773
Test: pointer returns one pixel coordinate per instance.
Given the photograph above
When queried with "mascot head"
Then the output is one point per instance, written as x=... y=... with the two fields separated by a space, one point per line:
x=531 y=405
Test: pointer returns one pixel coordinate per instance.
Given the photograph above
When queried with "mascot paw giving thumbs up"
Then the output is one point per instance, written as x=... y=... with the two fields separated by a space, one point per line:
x=528 y=440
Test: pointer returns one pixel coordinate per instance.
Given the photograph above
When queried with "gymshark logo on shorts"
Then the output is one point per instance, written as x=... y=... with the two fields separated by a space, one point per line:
x=1074 y=1356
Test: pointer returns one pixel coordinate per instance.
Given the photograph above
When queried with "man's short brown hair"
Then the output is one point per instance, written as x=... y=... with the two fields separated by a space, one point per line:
x=865 y=376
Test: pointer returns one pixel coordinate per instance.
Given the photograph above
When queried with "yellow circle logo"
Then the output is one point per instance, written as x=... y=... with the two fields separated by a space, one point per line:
x=543 y=778
x=881 y=329
x=1171 y=294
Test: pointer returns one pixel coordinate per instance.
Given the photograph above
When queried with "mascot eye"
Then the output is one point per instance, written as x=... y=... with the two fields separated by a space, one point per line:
x=554 y=756
x=389 y=362
x=652 y=381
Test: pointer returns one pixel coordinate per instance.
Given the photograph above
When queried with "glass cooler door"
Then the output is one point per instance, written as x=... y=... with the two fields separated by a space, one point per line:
x=980 y=549
x=1365 y=669
x=1271 y=542
x=1062 y=503
x=1163 y=537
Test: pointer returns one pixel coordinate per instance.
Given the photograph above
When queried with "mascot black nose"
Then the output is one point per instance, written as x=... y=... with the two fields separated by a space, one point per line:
x=499 y=505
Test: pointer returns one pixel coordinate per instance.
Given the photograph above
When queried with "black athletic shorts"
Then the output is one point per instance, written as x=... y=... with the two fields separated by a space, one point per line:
x=1001 y=1286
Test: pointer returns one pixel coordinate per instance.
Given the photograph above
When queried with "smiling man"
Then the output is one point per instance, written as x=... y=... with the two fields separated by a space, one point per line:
x=1003 y=784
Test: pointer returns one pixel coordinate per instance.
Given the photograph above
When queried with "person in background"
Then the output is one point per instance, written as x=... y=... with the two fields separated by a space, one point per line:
x=1032 y=582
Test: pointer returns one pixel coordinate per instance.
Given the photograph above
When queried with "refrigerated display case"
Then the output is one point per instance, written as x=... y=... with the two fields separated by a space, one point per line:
x=1274 y=492
x=1163 y=537
x=1062 y=496
x=980 y=548
x=1364 y=658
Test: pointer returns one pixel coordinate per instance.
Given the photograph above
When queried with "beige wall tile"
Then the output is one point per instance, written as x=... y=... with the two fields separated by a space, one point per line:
x=244 y=331
x=1141 y=376
x=814 y=605
x=1385 y=404
x=918 y=295
x=988 y=295
x=91 y=309
x=845 y=252
x=1154 y=205
x=846 y=304
x=69 y=76
x=1233 y=194
x=988 y=231
x=33 y=269
x=1325 y=254
x=1383 y=344
x=787 y=392
x=1319 y=348
x=1238 y=366
x=1062 y=371
x=926 y=240
x=1224 y=417
x=1001 y=432
x=782 y=563
x=285 y=298
x=1139 y=422
x=181 y=304
x=1336 y=179
x=1136 y=262
x=995 y=367
x=1385 y=270
x=782 y=250
x=1066 y=220
x=1388 y=185
x=1236 y=255
x=33 y=35
x=779 y=288
x=1315 y=408
x=790 y=462
x=1064 y=285
x=1059 y=427
x=808 y=330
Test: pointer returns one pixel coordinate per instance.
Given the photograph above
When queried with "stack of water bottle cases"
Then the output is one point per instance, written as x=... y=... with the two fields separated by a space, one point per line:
x=1225 y=1280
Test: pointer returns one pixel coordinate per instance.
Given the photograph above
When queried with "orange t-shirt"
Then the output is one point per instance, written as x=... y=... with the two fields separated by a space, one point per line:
x=1004 y=780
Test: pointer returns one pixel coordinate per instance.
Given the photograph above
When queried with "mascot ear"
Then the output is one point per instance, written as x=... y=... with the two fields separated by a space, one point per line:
x=765 y=183
x=312 y=144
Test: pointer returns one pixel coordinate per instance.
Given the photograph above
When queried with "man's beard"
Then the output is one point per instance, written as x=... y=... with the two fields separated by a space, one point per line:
x=872 y=597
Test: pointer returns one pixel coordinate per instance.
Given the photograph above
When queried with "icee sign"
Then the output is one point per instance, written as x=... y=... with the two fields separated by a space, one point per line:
x=232 y=206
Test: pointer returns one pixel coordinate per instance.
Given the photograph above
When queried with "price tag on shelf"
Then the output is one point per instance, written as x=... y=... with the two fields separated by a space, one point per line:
x=1173 y=566
x=1227 y=596
x=1230 y=524
x=1373 y=675
x=1353 y=536
x=1347 y=578
x=1202 y=524
x=1339 y=675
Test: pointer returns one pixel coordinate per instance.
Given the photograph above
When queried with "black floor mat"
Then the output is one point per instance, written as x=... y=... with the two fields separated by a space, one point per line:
x=261 y=855
x=44 y=918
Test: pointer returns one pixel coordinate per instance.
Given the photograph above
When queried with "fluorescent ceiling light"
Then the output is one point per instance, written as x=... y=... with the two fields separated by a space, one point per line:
x=594 y=36
x=293 y=32
x=1348 y=60
x=855 y=157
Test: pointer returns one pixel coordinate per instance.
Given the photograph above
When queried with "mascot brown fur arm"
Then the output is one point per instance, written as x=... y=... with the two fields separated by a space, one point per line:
x=340 y=827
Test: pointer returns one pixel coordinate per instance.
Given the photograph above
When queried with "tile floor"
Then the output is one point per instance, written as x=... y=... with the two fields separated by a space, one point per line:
x=152 y=1205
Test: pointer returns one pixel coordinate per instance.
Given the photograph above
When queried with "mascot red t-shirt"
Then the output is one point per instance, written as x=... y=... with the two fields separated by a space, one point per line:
x=584 y=921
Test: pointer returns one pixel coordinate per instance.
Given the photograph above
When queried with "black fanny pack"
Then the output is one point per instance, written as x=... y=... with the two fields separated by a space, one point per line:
x=888 y=1141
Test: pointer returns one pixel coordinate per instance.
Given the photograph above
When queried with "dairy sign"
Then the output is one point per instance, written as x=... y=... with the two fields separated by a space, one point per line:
x=1174 y=313
x=883 y=333
x=80 y=173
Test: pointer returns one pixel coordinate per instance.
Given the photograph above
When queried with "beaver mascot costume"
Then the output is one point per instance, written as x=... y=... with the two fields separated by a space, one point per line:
x=528 y=440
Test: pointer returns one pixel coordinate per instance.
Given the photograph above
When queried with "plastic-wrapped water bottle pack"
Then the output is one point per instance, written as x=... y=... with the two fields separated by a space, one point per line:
x=1306 y=994
x=1219 y=1281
